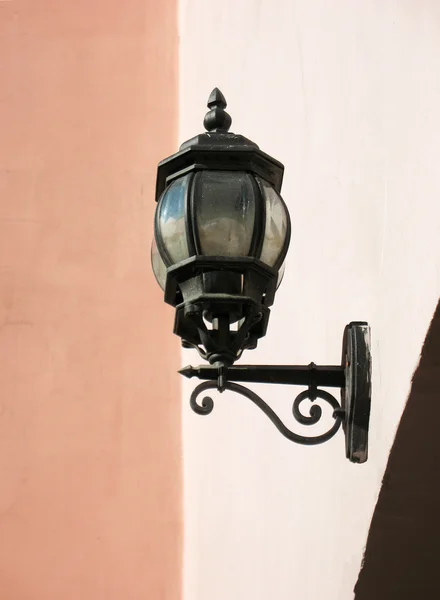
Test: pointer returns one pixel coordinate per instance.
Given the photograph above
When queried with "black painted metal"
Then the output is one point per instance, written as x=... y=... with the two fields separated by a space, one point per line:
x=281 y=374
x=217 y=119
x=191 y=215
x=219 y=149
x=207 y=404
x=204 y=288
x=210 y=293
x=356 y=394
x=353 y=377
x=195 y=303
x=260 y=220
x=191 y=231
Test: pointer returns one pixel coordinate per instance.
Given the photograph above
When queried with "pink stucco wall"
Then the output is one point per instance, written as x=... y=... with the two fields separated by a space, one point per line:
x=90 y=471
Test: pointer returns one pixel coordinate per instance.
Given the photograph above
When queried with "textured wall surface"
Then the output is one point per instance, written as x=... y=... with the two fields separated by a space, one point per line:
x=346 y=95
x=90 y=469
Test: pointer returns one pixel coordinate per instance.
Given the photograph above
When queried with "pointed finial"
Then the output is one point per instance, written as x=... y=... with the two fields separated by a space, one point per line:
x=187 y=371
x=217 y=119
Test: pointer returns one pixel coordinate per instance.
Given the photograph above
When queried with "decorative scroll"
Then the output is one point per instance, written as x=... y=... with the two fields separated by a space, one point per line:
x=207 y=404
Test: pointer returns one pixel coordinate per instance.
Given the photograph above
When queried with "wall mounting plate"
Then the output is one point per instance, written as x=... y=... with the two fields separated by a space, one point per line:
x=356 y=395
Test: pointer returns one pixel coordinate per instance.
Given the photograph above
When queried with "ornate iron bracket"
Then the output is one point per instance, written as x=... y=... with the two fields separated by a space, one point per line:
x=353 y=377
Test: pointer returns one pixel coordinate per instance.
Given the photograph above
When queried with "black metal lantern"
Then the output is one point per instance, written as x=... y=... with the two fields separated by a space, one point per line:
x=222 y=232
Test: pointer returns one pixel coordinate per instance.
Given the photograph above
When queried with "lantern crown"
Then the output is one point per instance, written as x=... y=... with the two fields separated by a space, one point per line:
x=218 y=149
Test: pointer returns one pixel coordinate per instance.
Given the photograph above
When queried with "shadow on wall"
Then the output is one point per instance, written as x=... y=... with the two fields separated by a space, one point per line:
x=402 y=555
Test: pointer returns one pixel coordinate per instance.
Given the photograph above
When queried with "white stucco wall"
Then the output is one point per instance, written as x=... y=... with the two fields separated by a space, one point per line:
x=346 y=94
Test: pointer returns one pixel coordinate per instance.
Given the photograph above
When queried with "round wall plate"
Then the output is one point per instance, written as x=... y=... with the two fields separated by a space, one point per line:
x=356 y=396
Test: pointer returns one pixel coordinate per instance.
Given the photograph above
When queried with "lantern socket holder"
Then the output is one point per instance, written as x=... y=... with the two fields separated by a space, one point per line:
x=194 y=288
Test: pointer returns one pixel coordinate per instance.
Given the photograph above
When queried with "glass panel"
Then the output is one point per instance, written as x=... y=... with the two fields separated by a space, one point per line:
x=225 y=212
x=159 y=268
x=172 y=220
x=276 y=225
x=281 y=274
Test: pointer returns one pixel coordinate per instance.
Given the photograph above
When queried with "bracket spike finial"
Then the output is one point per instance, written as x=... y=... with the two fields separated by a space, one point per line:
x=217 y=119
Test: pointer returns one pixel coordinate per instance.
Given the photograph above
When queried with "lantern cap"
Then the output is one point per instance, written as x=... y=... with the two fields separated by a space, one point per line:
x=218 y=149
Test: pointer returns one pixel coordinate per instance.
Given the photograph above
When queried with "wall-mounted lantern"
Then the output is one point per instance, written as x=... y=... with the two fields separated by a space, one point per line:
x=222 y=232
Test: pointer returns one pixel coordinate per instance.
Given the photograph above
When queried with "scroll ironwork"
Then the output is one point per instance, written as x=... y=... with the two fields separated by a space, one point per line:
x=206 y=406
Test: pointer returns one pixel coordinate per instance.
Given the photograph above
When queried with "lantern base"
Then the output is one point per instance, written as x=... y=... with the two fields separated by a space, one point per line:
x=205 y=317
